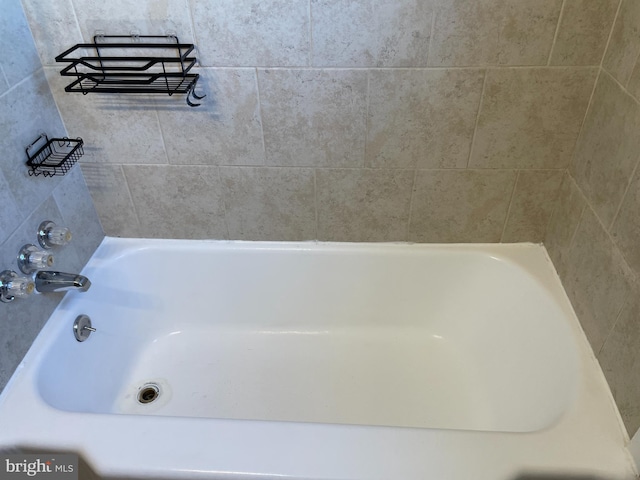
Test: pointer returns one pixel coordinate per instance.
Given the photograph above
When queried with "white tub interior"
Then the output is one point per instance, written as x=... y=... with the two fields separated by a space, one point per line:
x=311 y=360
x=386 y=335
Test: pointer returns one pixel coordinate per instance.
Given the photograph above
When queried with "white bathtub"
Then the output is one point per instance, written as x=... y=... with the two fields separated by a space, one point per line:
x=306 y=360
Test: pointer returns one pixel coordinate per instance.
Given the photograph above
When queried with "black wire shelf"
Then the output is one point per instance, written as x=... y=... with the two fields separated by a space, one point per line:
x=132 y=64
x=53 y=156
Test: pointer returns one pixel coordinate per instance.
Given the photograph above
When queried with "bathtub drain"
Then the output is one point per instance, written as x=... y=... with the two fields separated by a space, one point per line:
x=148 y=393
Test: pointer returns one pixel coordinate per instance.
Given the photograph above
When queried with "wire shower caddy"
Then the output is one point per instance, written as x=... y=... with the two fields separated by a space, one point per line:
x=53 y=156
x=132 y=64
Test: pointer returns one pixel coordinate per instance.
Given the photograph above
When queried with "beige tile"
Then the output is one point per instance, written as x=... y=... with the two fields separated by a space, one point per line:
x=597 y=279
x=314 y=117
x=531 y=117
x=634 y=82
x=237 y=33
x=22 y=319
x=583 y=32
x=363 y=205
x=460 y=205
x=366 y=33
x=563 y=223
x=64 y=258
x=624 y=46
x=110 y=193
x=224 y=130
x=620 y=362
x=115 y=128
x=422 y=118
x=190 y=206
x=54 y=27
x=4 y=83
x=18 y=54
x=532 y=204
x=527 y=31
x=20 y=323
x=269 y=203
x=626 y=229
x=79 y=214
x=607 y=150
x=465 y=33
x=142 y=17
x=26 y=111
x=9 y=214
x=493 y=32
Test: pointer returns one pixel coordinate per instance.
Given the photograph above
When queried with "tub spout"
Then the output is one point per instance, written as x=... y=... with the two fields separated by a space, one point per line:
x=61 y=282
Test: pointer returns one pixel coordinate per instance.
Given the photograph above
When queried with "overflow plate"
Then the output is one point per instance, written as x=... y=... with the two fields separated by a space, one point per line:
x=82 y=328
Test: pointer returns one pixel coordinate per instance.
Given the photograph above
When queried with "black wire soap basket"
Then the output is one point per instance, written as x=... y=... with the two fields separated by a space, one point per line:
x=53 y=156
x=132 y=64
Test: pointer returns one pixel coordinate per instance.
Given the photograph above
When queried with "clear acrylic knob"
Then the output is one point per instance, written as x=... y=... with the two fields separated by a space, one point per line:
x=13 y=286
x=51 y=235
x=31 y=258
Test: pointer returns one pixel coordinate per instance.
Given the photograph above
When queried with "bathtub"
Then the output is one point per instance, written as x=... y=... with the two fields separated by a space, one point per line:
x=226 y=360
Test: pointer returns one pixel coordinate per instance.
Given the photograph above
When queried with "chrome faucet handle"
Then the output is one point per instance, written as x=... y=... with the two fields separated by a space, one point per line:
x=51 y=235
x=13 y=286
x=31 y=259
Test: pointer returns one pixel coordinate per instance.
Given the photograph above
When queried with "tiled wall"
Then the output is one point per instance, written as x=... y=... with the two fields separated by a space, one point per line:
x=594 y=234
x=432 y=121
x=356 y=120
x=27 y=108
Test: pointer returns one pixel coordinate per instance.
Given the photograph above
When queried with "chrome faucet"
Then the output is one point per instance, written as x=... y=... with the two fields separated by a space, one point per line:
x=60 y=282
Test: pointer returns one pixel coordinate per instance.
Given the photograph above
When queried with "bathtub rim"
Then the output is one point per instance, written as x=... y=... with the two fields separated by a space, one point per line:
x=371 y=442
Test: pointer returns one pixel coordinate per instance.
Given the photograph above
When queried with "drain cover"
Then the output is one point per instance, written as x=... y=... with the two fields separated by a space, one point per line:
x=148 y=393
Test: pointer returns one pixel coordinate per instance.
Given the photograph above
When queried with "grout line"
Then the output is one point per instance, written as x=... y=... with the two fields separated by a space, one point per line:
x=610 y=36
x=6 y=80
x=259 y=98
x=431 y=33
x=615 y=322
x=133 y=203
x=55 y=102
x=164 y=144
x=365 y=162
x=614 y=244
x=310 y=59
x=75 y=16
x=632 y=271
x=584 y=120
x=475 y=128
x=506 y=220
x=419 y=68
x=624 y=195
x=36 y=44
x=634 y=67
x=575 y=231
x=58 y=188
x=23 y=218
x=193 y=27
x=30 y=76
x=556 y=203
x=224 y=203
x=319 y=167
x=622 y=87
x=315 y=200
x=411 y=200
x=555 y=36
x=231 y=68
